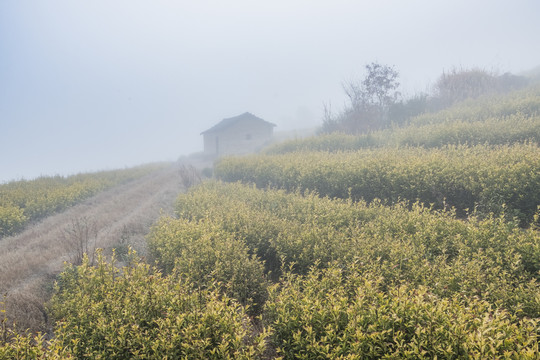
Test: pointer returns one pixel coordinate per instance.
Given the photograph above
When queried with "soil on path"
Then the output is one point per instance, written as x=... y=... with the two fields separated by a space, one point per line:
x=116 y=218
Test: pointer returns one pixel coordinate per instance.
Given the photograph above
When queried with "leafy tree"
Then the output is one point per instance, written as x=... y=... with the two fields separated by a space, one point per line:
x=369 y=102
x=378 y=89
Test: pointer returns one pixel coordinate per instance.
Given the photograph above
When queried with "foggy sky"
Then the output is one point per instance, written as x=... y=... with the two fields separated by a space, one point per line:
x=102 y=84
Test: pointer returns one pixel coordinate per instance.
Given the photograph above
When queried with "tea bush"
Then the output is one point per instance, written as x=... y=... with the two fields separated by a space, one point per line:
x=136 y=312
x=337 y=313
x=12 y=219
x=488 y=258
x=482 y=177
x=330 y=142
x=350 y=280
x=517 y=128
x=28 y=347
x=205 y=255
x=526 y=101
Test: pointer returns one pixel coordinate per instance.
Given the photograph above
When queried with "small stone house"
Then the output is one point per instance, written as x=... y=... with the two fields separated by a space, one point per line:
x=242 y=134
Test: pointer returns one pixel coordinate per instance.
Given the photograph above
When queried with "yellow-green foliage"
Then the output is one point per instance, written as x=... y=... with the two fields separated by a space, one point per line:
x=25 y=200
x=338 y=313
x=27 y=347
x=526 y=101
x=12 y=219
x=516 y=128
x=352 y=280
x=484 y=177
x=136 y=312
x=488 y=258
x=207 y=255
x=330 y=142
x=401 y=282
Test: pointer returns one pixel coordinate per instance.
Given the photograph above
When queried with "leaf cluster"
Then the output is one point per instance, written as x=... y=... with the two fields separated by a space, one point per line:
x=136 y=312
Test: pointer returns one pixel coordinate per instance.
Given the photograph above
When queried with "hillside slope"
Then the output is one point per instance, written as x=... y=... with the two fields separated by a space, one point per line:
x=115 y=218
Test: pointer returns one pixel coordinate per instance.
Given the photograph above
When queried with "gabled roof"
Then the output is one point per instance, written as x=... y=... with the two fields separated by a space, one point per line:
x=230 y=121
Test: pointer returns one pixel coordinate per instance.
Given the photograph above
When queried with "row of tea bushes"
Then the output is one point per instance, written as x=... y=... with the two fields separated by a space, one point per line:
x=340 y=314
x=511 y=129
x=489 y=258
x=27 y=200
x=483 y=178
x=363 y=281
x=333 y=278
x=104 y=313
x=525 y=102
x=333 y=142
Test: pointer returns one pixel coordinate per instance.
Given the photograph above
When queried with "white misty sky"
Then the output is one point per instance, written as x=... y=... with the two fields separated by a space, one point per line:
x=90 y=85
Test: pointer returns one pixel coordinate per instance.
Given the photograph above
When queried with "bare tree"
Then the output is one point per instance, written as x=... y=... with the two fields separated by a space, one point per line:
x=80 y=236
x=189 y=175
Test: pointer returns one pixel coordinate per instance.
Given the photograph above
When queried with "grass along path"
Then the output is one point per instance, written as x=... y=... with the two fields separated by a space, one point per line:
x=117 y=218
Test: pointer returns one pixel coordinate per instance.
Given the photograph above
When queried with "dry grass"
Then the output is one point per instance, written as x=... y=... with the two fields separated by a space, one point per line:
x=117 y=218
x=189 y=175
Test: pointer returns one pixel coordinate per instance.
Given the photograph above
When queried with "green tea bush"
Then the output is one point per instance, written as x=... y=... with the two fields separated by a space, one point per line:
x=526 y=102
x=136 y=312
x=330 y=142
x=274 y=225
x=487 y=258
x=511 y=129
x=337 y=313
x=490 y=179
x=28 y=347
x=205 y=255
x=12 y=219
x=495 y=120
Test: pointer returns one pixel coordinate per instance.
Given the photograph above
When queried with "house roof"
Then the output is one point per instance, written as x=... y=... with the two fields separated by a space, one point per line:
x=225 y=123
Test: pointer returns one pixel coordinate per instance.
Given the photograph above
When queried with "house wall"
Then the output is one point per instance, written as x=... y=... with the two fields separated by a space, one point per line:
x=242 y=137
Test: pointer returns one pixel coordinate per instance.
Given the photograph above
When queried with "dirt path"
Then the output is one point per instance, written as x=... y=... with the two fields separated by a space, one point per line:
x=122 y=216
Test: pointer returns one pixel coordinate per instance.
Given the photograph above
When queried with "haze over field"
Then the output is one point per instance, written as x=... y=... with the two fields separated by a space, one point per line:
x=106 y=84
